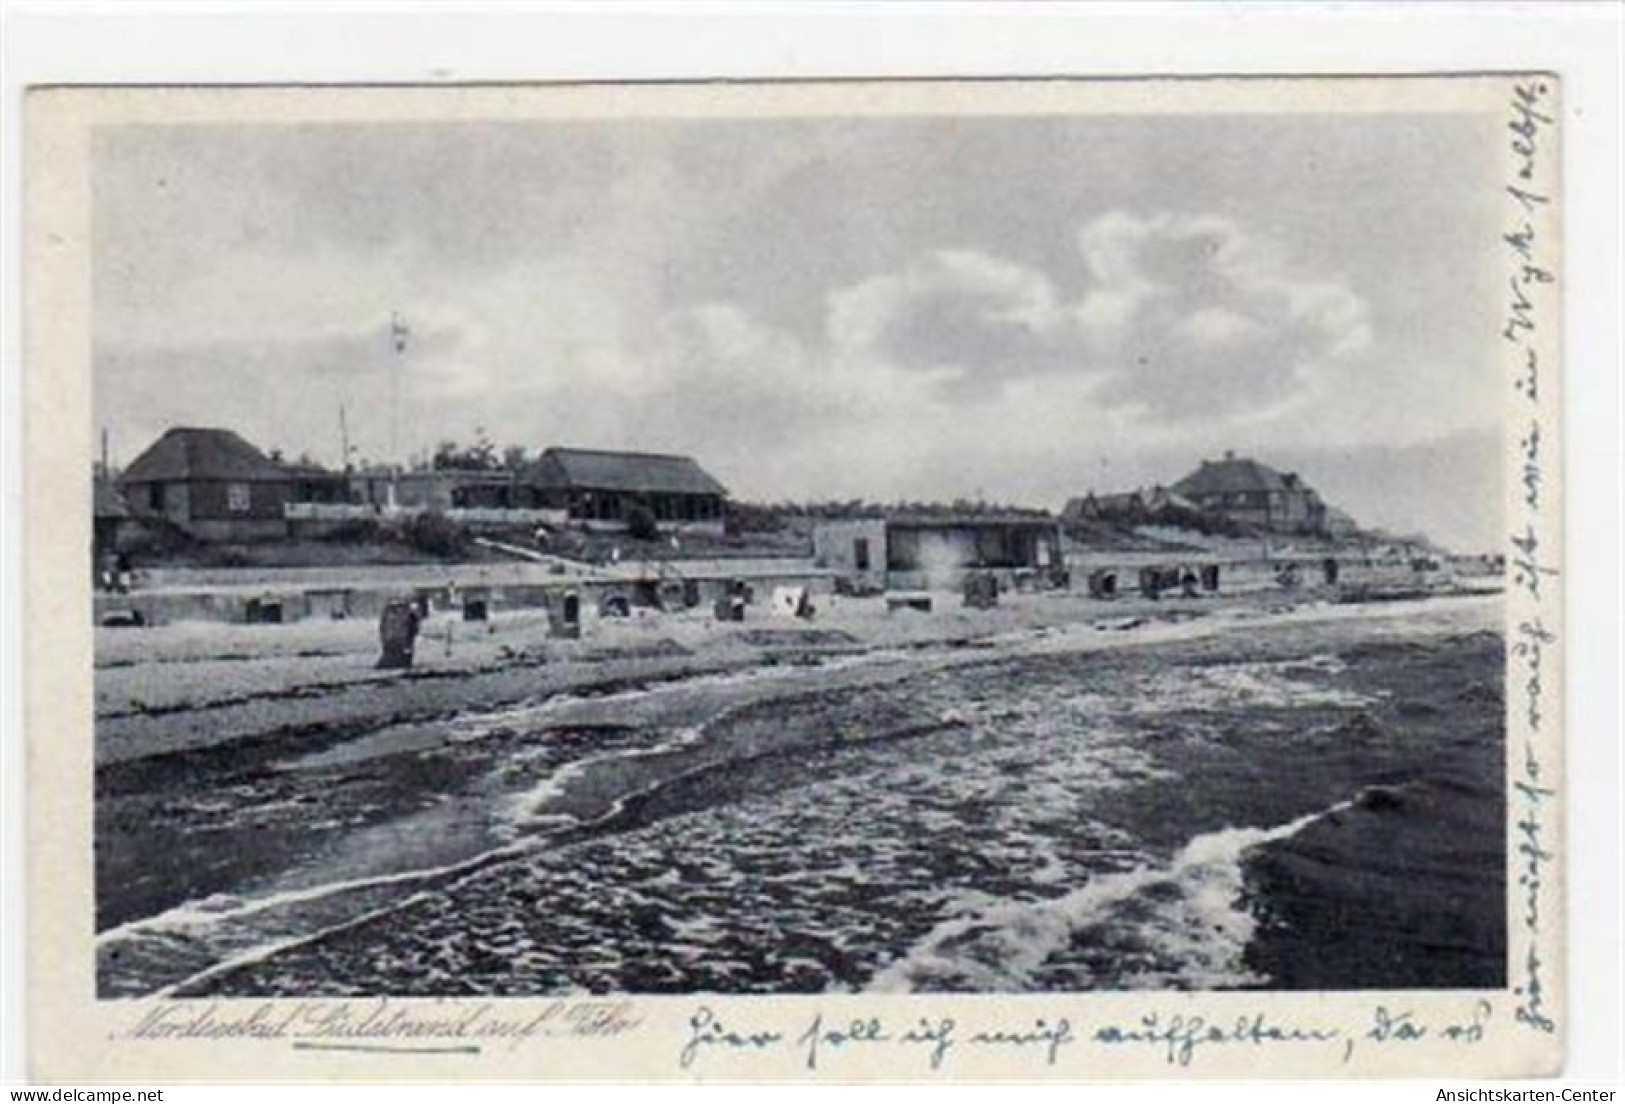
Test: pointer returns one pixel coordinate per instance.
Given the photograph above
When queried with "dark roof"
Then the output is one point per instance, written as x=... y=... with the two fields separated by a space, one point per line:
x=1235 y=474
x=1101 y=504
x=107 y=502
x=630 y=472
x=186 y=453
x=1124 y=500
x=1146 y=500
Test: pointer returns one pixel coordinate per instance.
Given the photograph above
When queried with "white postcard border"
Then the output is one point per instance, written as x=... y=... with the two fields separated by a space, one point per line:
x=78 y=1038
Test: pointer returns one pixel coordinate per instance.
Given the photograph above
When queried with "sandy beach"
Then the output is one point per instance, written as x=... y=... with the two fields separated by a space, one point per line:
x=520 y=814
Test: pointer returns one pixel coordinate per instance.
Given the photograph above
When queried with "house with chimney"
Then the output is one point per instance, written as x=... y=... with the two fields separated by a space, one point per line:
x=1254 y=494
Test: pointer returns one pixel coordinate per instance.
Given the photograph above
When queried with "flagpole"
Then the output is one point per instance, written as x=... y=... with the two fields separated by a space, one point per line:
x=398 y=333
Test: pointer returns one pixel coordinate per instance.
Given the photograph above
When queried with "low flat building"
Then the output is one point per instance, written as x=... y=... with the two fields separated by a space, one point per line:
x=211 y=484
x=441 y=489
x=601 y=490
x=923 y=551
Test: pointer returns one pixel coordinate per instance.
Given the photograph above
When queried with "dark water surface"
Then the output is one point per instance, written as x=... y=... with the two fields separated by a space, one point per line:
x=1298 y=804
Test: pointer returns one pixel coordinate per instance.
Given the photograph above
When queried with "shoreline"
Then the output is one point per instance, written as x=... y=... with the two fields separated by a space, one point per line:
x=612 y=877
x=264 y=683
x=454 y=794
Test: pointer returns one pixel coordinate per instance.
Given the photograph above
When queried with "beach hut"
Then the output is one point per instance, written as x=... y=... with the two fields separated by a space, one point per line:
x=921 y=550
x=210 y=483
x=604 y=490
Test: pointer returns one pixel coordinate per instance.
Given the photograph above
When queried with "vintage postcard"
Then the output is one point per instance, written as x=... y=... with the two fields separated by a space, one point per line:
x=876 y=580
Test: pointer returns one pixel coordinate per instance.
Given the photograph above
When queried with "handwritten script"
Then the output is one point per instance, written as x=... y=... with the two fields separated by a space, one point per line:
x=929 y=1044
x=1531 y=276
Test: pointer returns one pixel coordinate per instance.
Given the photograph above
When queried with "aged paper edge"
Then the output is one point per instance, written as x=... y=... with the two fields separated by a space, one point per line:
x=75 y=1037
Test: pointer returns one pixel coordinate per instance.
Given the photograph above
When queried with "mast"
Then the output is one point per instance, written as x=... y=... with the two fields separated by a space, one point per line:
x=398 y=333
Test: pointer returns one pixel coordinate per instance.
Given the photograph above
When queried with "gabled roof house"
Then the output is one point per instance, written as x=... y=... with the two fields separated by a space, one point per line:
x=1247 y=491
x=600 y=488
x=210 y=483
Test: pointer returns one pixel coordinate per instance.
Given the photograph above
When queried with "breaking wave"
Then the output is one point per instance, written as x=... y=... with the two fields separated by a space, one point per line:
x=1183 y=924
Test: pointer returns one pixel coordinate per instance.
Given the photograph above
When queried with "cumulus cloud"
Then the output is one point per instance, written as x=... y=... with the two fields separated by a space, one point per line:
x=1214 y=321
x=960 y=314
x=1172 y=326
x=1180 y=316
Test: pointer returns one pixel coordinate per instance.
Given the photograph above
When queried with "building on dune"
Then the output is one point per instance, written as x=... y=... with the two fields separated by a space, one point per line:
x=211 y=484
x=915 y=551
x=601 y=490
x=1145 y=506
x=1245 y=491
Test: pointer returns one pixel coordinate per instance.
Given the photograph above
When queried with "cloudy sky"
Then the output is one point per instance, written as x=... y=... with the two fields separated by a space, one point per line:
x=1015 y=308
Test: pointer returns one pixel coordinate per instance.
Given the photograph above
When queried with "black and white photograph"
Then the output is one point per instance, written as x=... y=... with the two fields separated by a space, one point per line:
x=786 y=555
x=666 y=555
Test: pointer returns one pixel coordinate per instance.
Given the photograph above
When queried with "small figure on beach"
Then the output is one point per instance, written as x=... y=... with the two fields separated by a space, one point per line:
x=397 y=634
x=1328 y=568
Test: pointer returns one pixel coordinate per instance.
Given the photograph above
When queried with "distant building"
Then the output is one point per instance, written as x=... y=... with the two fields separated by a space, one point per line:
x=442 y=489
x=911 y=551
x=1250 y=493
x=210 y=483
x=599 y=489
x=488 y=489
x=314 y=483
x=1147 y=505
